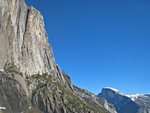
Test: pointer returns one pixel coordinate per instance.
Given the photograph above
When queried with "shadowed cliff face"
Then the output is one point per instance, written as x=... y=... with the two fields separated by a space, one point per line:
x=120 y=102
x=14 y=95
x=126 y=104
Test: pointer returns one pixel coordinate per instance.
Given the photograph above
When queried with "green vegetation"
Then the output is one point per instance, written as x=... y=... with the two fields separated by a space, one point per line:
x=60 y=94
x=12 y=69
x=33 y=110
x=40 y=80
x=78 y=104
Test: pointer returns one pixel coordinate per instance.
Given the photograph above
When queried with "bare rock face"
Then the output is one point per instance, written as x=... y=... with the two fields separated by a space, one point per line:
x=126 y=103
x=30 y=81
x=14 y=95
x=47 y=96
x=24 y=41
x=119 y=101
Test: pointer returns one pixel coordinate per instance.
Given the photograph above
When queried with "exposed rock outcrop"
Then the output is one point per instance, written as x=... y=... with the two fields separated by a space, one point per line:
x=30 y=81
x=24 y=41
x=14 y=95
x=92 y=99
x=47 y=96
x=126 y=103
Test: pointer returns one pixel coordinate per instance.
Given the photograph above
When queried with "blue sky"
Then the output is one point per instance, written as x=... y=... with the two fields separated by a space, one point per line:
x=100 y=43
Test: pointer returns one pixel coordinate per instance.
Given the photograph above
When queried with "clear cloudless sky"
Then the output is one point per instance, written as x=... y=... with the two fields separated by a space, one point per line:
x=100 y=43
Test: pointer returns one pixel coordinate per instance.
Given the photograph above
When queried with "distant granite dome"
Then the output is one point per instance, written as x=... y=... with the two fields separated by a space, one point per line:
x=112 y=89
x=126 y=103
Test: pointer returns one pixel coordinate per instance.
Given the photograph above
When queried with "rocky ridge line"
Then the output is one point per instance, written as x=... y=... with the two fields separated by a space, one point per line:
x=126 y=103
x=30 y=80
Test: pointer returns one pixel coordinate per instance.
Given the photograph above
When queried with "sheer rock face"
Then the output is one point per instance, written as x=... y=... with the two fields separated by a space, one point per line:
x=29 y=77
x=119 y=101
x=126 y=103
x=14 y=94
x=23 y=39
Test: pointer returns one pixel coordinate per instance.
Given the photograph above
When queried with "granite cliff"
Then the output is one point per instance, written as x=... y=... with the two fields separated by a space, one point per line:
x=30 y=80
x=126 y=103
x=24 y=41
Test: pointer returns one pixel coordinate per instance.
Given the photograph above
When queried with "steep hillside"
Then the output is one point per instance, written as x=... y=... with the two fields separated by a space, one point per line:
x=30 y=80
x=92 y=99
x=44 y=94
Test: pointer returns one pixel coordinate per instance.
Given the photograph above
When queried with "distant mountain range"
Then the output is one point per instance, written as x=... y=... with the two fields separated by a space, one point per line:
x=126 y=103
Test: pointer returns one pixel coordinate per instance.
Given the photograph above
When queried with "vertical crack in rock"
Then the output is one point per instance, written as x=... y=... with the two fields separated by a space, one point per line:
x=29 y=77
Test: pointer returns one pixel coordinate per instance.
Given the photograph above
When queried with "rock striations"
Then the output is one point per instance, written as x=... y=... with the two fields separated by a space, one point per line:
x=24 y=41
x=126 y=103
x=30 y=80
